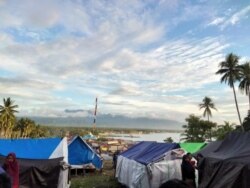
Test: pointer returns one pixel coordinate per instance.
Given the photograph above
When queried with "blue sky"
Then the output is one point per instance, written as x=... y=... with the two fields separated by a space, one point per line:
x=140 y=58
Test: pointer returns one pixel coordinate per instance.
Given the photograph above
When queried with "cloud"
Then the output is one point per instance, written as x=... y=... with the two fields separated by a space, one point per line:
x=138 y=80
x=127 y=90
x=231 y=19
x=135 y=56
x=239 y=15
x=217 y=21
x=73 y=110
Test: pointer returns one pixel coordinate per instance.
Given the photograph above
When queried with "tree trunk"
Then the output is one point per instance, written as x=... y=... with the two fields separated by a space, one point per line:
x=249 y=100
x=235 y=99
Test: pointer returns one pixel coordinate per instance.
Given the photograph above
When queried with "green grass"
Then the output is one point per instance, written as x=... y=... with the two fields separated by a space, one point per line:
x=94 y=181
x=104 y=179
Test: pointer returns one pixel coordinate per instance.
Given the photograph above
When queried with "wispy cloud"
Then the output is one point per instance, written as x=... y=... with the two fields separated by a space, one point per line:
x=231 y=19
x=217 y=21
x=136 y=54
x=237 y=17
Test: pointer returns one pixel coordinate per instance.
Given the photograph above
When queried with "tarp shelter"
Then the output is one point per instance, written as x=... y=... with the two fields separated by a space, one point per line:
x=141 y=166
x=210 y=147
x=192 y=147
x=43 y=162
x=44 y=148
x=228 y=166
x=80 y=154
x=89 y=136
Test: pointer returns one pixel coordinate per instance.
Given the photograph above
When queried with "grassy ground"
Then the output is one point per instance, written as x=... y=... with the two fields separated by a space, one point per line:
x=104 y=179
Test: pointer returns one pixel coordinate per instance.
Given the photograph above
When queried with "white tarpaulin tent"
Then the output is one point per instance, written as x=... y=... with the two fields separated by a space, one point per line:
x=149 y=164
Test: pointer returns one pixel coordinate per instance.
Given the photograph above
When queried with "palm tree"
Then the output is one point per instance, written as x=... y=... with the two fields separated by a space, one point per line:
x=230 y=71
x=207 y=105
x=244 y=85
x=223 y=130
x=7 y=116
x=25 y=126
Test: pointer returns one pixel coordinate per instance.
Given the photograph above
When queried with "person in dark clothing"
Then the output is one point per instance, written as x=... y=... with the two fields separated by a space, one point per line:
x=174 y=183
x=190 y=159
x=189 y=156
x=188 y=171
x=115 y=156
x=5 y=181
x=199 y=157
x=11 y=167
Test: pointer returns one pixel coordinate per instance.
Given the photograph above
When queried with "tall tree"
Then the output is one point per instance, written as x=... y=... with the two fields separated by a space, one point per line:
x=197 y=130
x=224 y=130
x=244 y=85
x=207 y=105
x=230 y=71
x=246 y=122
x=25 y=126
x=7 y=116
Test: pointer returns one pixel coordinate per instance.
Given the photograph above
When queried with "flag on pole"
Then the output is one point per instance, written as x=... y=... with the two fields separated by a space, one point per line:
x=95 y=112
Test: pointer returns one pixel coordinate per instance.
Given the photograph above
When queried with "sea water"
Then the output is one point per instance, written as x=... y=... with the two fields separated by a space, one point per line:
x=158 y=137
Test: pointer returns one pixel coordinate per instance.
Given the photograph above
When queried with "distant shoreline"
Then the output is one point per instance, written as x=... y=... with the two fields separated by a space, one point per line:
x=116 y=129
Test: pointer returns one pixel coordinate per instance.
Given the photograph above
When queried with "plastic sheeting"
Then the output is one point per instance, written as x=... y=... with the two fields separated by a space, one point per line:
x=134 y=170
x=80 y=153
x=61 y=150
x=43 y=148
x=41 y=173
x=148 y=152
x=164 y=171
x=132 y=173
x=228 y=165
x=192 y=147
x=210 y=147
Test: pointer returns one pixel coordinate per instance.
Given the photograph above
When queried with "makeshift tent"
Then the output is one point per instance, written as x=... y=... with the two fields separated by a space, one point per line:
x=80 y=153
x=228 y=165
x=89 y=136
x=43 y=162
x=148 y=164
x=210 y=147
x=44 y=148
x=192 y=147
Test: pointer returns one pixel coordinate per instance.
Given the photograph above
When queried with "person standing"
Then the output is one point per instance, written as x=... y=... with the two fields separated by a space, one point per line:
x=115 y=157
x=200 y=171
x=188 y=171
x=12 y=169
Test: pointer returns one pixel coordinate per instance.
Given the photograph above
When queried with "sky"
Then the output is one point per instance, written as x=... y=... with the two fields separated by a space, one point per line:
x=141 y=58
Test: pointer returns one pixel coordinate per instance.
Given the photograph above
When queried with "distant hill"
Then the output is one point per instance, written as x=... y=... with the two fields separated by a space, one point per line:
x=110 y=121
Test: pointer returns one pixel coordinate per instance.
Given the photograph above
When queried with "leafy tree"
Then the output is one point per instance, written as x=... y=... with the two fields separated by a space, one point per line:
x=197 y=130
x=39 y=131
x=244 y=85
x=207 y=105
x=246 y=122
x=169 y=140
x=102 y=139
x=223 y=130
x=7 y=117
x=230 y=71
x=25 y=126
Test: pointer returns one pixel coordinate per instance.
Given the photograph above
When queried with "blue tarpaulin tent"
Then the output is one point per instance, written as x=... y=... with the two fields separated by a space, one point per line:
x=143 y=165
x=80 y=153
x=147 y=152
x=43 y=148
x=42 y=161
x=89 y=137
